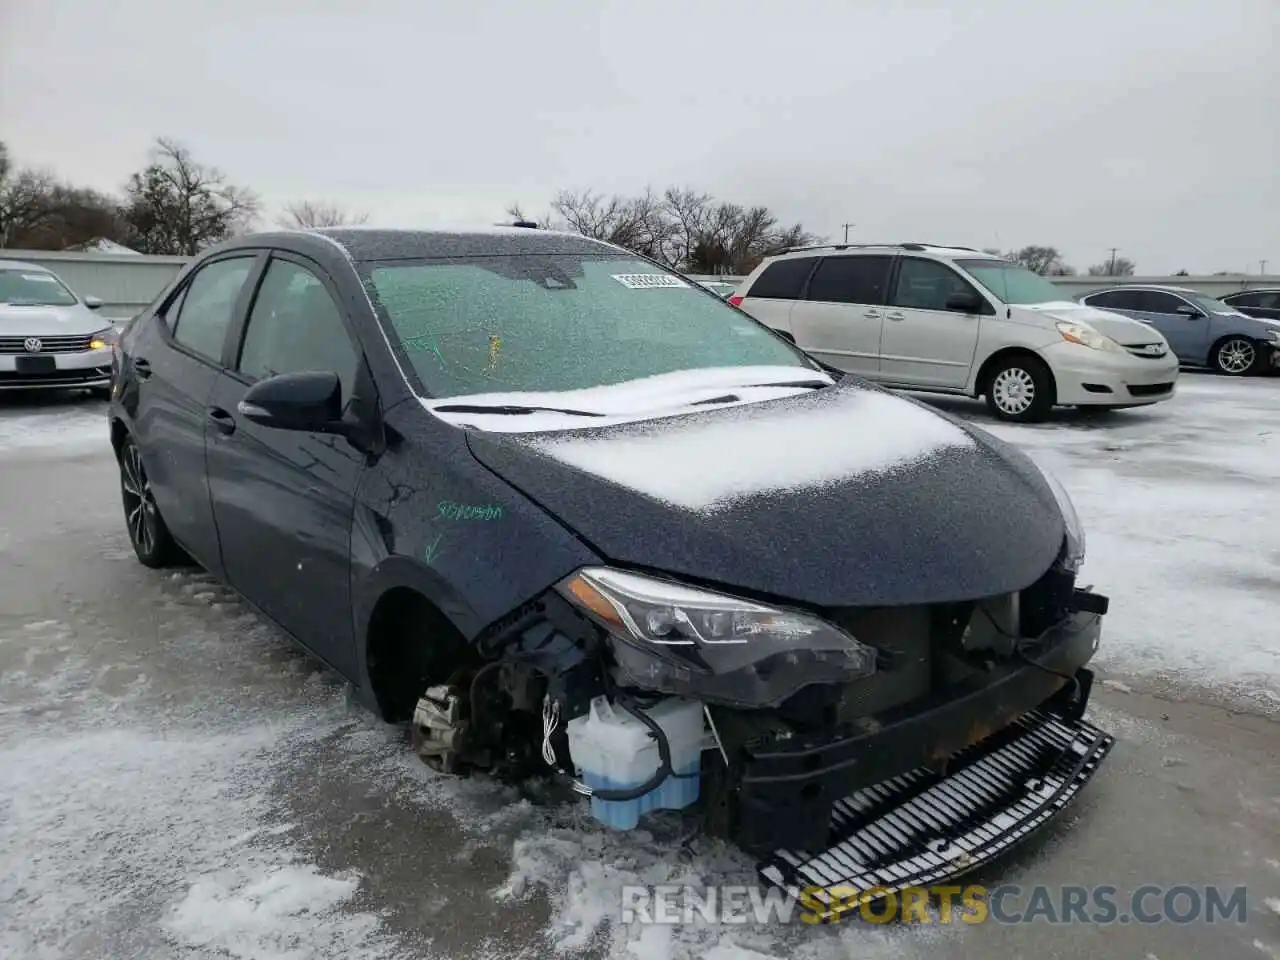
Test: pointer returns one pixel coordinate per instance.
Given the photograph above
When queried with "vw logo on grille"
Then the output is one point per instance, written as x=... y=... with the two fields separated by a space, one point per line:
x=32 y=344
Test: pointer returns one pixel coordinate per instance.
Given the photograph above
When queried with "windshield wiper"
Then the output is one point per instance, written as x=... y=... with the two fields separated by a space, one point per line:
x=815 y=384
x=512 y=409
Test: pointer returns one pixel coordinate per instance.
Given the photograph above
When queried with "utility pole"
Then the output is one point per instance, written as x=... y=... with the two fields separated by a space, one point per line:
x=1262 y=267
x=1111 y=267
x=846 y=230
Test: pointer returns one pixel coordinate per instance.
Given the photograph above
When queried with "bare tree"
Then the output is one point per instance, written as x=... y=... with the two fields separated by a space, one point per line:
x=1042 y=260
x=515 y=213
x=40 y=212
x=306 y=214
x=176 y=205
x=637 y=223
x=1119 y=267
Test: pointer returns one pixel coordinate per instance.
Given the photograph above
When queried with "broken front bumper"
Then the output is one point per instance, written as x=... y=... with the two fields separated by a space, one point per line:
x=932 y=789
x=925 y=828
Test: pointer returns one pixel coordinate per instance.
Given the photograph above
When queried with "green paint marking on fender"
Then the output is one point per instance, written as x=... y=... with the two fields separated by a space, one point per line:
x=432 y=553
x=449 y=510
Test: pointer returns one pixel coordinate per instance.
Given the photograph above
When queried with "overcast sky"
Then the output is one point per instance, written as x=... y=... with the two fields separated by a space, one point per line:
x=1149 y=126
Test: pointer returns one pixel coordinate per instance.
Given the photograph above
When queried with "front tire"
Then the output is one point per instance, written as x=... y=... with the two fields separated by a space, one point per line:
x=150 y=537
x=1020 y=389
x=1235 y=356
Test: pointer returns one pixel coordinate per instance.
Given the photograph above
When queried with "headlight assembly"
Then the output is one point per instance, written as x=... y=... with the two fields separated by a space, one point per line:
x=689 y=642
x=1071 y=520
x=1087 y=336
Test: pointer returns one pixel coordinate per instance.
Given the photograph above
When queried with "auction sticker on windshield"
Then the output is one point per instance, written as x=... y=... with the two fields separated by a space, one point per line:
x=646 y=281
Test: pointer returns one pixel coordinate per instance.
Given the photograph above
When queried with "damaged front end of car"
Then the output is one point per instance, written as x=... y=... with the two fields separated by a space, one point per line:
x=856 y=747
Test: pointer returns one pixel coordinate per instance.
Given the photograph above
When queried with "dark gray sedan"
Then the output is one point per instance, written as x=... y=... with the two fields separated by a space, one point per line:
x=1202 y=331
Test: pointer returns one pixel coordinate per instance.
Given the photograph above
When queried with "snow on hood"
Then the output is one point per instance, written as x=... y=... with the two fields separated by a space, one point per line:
x=710 y=460
x=1118 y=327
x=49 y=321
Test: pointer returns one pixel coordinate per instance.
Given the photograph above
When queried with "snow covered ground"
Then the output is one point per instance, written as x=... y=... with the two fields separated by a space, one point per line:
x=1179 y=503
x=177 y=781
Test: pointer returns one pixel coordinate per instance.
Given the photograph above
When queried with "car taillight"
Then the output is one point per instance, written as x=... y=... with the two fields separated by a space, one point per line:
x=736 y=300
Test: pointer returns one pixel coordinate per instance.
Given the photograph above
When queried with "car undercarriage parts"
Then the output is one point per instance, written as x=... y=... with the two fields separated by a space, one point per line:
x=439 y=728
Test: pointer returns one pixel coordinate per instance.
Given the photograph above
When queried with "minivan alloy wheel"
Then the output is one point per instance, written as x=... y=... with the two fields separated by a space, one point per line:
x=1236 y=356
x=1014 y=390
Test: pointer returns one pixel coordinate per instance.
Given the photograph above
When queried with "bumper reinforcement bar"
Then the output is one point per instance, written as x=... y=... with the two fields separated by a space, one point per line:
x=926 y=827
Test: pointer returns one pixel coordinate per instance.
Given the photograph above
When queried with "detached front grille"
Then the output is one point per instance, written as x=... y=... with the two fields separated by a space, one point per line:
x=77 y=343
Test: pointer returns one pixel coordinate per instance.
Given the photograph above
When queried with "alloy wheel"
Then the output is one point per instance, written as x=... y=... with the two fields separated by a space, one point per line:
x=139 y=504
x=1014 y=390
x=1236 y=356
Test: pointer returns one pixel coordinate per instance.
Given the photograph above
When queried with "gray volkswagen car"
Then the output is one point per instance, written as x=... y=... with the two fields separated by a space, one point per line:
x=1202 y=331
x=49 y=336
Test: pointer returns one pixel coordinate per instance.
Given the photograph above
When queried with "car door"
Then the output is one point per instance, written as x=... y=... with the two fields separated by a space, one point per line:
x=1182 y=322
x=284 y=500
x=839 y=318
x=176 y=360
x=923 y=343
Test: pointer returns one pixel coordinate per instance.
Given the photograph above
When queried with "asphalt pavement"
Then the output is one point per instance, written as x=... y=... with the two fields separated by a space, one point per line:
x=177 y=780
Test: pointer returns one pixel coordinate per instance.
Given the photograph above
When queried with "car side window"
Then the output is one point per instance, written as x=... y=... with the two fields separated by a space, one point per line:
x=927 y=285
x=783 y=279
x=1116 y=300
x=295 y=327
x=1253 y=299
x=203 y=316
x=1157 y=301
x=855 y=279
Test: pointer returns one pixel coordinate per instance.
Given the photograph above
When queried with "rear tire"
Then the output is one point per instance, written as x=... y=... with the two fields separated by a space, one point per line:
x=148 y=534
x=1020 y=389
x=1235 y=356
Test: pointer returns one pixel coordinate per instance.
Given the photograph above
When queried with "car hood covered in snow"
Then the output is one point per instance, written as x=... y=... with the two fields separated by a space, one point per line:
x=1119 y=328
x=844 y=496
x=49 y=321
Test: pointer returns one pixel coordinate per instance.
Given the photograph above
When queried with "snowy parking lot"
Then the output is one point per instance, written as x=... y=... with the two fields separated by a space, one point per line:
x=176 y=780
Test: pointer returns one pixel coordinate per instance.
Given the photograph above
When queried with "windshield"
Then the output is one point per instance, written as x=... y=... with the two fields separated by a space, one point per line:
x=33 y=288
x=559 y=322
x=1012 y=283
x=1213 y=306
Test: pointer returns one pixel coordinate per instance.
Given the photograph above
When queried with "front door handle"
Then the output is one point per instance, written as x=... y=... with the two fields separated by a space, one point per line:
x=225 y=423
x=142 y=367
x=872 y=315
x=895 y=316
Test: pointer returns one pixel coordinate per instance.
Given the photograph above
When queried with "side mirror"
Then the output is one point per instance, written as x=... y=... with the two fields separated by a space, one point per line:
x=310 y=402
x=964 y=302
x=1190 y=312
x=93 y=303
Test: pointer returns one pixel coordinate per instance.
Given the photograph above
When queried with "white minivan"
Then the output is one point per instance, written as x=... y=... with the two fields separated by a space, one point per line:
x=956 y=320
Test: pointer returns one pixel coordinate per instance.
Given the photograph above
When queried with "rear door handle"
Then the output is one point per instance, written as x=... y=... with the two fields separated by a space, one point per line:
x=225 y=423
x=895 y=316
x=142 y=367
x=872 y=314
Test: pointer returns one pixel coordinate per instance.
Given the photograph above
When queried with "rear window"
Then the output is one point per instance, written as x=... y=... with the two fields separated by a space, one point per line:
x=559 y=322
x=783 y=279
